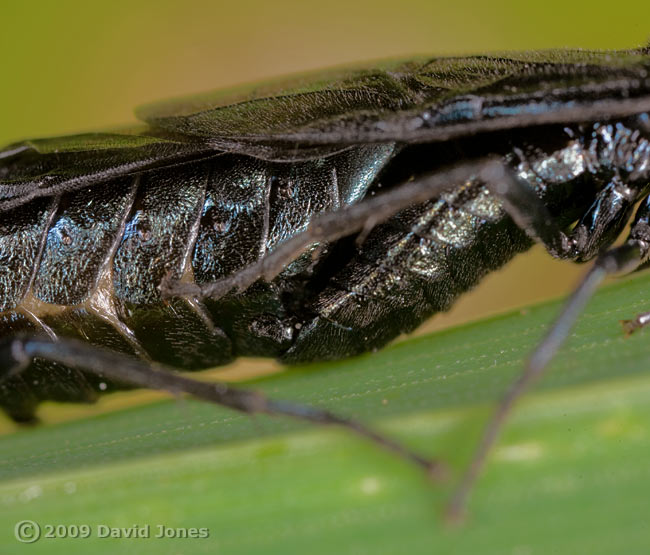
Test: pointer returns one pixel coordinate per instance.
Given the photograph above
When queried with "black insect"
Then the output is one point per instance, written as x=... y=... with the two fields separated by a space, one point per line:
x=311 y=219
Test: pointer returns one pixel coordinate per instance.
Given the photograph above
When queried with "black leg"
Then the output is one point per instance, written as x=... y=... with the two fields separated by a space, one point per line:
x=528 y=211
x=335 y=225
x=641 y=232
x=625 y=258
x=16 y=353
x=597 y=229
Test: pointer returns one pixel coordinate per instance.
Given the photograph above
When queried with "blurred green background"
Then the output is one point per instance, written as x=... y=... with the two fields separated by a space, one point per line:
x=71 y=66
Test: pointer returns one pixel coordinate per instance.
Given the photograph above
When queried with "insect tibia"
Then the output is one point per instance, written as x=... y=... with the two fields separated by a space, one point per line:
x=16 y=353
x=625 y=258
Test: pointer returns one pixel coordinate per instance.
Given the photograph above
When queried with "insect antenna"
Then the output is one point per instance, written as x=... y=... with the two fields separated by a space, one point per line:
x=16 y=353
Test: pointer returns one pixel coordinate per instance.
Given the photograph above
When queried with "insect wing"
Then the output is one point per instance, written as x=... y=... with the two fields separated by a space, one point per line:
x=312 y=115
x=45 y=167
x=416 y=100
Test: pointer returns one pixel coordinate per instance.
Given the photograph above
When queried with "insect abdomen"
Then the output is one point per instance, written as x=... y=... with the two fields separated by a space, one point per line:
x=412 y=267
x=88 y=264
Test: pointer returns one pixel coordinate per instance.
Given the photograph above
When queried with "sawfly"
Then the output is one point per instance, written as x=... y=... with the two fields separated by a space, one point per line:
x=312 y=218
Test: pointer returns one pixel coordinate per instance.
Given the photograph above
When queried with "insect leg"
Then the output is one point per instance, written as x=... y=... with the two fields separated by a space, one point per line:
x=17 y=352
x=641 y=226
x=596 y=230
x=639 y=321
x=331 y=226
x=527 y=210
x=625 y=258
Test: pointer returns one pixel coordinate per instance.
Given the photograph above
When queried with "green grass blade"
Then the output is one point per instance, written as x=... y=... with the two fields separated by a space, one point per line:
x=570 y=474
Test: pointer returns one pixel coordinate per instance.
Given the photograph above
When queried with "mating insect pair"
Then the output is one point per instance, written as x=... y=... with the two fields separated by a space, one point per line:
x=311 y=219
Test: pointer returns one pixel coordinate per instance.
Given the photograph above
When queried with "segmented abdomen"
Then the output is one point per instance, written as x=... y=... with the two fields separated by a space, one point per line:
x=88 y=263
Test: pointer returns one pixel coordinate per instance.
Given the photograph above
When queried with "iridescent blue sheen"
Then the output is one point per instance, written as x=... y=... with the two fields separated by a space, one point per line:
x=156 y=236
x=21 y=237
x=234 y=218
x=80 y=240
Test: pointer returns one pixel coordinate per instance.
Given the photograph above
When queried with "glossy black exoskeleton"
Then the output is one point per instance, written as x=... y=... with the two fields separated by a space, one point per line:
x=312 y=218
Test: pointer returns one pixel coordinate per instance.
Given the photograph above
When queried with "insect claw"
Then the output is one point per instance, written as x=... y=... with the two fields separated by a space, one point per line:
x=220 y=289
x=640 y=321
x=166 y=287
x=629 y=326
x=438 y=471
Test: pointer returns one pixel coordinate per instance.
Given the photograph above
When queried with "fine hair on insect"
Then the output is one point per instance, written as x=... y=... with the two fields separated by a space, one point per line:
x=314 y=218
